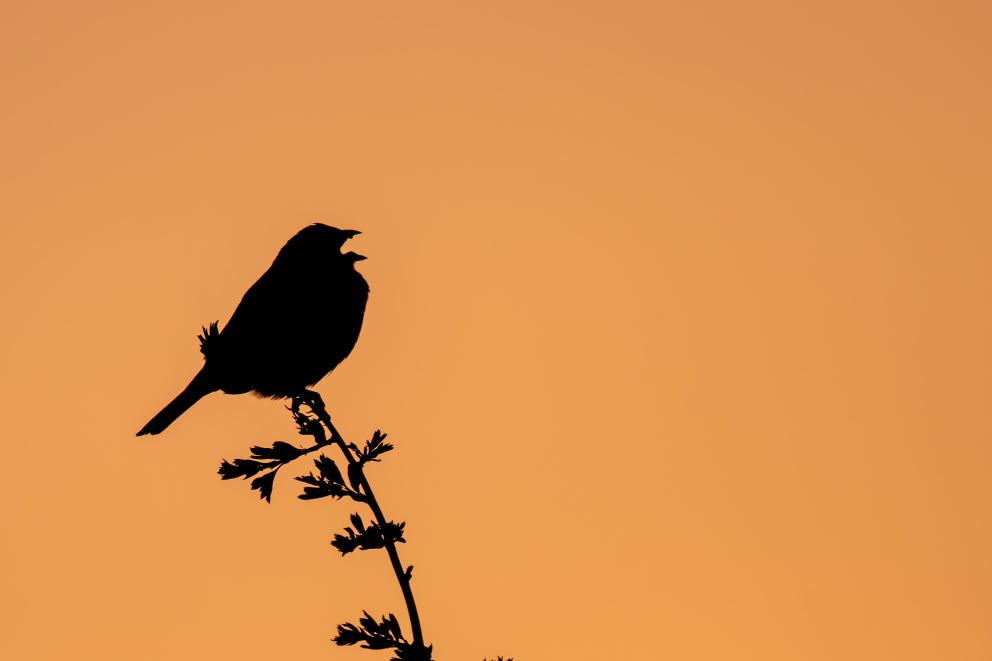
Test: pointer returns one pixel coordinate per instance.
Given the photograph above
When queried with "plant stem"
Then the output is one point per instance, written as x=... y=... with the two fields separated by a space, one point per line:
x=317 y=406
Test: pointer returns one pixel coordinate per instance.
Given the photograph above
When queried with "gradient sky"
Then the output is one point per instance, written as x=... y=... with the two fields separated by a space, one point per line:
x=679 y=319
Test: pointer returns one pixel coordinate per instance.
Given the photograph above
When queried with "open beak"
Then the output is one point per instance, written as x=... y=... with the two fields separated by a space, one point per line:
x=350 y=234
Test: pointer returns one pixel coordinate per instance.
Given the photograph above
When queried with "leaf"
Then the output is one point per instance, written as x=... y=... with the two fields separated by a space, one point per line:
x=345 y=543
x=355 y=476
x=240 y=468
x=373 y=635
x=330 y=482
x=356 y=520
x=321 y=489
x=264 y=485
x=228 y=471
x=286 y=451
x=281 y=451
x=374 y=536
x=392 y=532
x=376 y=446
x=348 y=634
x=394 y=626
x=367 y=622
x=309 y=479
x=329 y=470
x=313 y=493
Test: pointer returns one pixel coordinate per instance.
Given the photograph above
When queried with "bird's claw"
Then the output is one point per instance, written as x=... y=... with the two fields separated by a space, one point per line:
x=311 y=398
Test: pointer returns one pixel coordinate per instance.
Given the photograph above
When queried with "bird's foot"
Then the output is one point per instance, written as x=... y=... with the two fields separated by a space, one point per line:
x=311 y=398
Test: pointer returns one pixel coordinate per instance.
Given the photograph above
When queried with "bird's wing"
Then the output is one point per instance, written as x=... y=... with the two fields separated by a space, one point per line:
x=257 y=313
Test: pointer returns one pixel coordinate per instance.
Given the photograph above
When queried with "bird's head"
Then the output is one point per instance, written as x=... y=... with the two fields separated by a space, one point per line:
x=317 y=241
x=324 y=236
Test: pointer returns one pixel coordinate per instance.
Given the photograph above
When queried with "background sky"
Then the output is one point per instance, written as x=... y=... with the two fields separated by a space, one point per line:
x=679 y=319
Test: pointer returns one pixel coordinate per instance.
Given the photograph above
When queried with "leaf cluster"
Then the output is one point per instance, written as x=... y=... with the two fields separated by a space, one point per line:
x=309 y=426
x=374 y=448
x=327 y=482
x=366 y=537
x=382 y=634
x=263 y=459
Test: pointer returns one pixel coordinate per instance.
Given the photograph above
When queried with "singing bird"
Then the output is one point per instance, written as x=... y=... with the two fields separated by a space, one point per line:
x=292 y=327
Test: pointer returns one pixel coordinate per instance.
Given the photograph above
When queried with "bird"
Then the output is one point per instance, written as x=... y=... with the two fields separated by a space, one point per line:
x=299 y=320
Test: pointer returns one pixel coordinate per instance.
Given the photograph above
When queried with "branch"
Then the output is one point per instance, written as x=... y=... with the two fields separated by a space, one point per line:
x=329 y=481
x=359 y=481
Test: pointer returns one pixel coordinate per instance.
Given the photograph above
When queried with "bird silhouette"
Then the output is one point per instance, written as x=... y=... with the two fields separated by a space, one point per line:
x=292 y=327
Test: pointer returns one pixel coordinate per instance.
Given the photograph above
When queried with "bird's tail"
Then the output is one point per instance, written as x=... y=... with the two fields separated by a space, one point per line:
x=197 y=388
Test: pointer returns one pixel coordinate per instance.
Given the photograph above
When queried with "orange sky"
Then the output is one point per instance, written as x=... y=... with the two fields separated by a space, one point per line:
x=679 y=319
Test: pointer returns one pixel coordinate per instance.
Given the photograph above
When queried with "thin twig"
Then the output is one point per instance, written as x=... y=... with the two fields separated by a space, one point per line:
x=316 y=404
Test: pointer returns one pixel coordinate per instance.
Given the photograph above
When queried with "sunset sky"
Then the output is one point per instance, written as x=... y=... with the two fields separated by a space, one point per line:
x=679 y=320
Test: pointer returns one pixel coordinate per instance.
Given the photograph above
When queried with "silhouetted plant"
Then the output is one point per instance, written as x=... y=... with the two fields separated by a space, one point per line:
x=326 y=479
